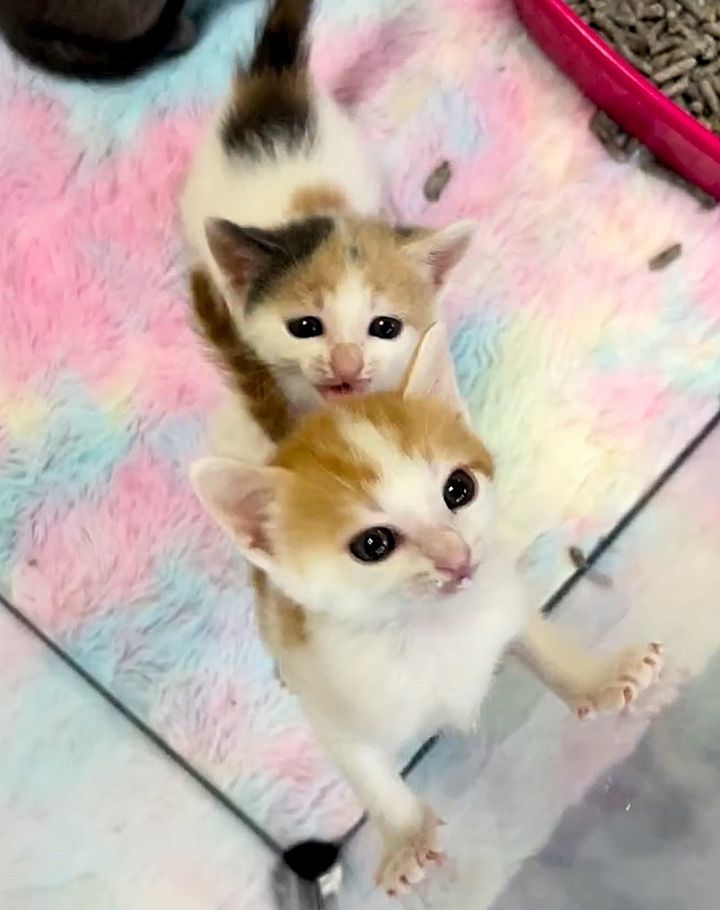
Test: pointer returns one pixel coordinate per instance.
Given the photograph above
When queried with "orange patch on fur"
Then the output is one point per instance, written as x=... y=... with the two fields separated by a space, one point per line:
x=390 y=273
x=241 y=368
x=303 y=287
x=424 y=427
x=375 y=249
x=330 y=479
x=317 y=199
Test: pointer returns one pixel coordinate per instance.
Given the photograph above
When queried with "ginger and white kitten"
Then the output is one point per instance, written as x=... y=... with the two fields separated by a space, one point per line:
x=383 y=593
x=282 y=208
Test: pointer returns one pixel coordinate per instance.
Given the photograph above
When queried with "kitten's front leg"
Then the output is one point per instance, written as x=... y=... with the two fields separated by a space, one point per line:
x=588 y=684
x=407 y=826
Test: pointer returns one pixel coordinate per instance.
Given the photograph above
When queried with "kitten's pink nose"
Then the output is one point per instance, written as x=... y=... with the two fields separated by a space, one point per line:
x=449 y=554
x=457 y=571
x=346 y=361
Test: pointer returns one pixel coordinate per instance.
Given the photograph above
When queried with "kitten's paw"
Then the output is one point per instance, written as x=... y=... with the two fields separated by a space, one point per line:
x=628 y=675
x=407 y=857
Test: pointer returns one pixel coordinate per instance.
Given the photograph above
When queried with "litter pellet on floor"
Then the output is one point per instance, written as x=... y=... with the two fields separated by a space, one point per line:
x=593 y=575
x=621 y=146
x=613 y=138
x=663 y=259
x=437 y=181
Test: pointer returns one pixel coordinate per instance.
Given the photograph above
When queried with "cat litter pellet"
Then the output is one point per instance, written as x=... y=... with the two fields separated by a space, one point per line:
x=623 y=147
x=663 y=259
x=616 y=142
x=437 y=181
x=675 y=43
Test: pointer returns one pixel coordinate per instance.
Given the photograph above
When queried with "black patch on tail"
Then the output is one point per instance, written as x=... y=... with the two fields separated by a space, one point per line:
x=277 y=116
x=281 y=46
x=271 y=106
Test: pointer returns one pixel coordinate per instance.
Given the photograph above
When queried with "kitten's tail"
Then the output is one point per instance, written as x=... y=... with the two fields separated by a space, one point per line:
x=282 y=46
x=271 y=103
x=243 y=372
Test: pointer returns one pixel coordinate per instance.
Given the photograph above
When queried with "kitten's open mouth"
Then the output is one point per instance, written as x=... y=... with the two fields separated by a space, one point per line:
x=453 y=587
x=341 y=388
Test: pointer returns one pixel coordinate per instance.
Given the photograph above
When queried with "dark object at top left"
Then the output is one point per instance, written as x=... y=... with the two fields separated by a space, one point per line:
x=96 y=39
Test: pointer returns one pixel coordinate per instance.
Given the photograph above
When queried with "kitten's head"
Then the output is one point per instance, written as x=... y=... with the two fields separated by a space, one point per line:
x=335 y=304
x=375 y=503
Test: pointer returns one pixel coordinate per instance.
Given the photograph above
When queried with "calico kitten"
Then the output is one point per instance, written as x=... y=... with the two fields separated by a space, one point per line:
x=281 y=208
x=95 y=38
x=383 y=593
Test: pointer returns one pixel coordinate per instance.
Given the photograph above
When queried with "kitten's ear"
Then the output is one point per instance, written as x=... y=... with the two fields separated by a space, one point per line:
x=438 y=252
x=241 y=252
x=431 y=373
x=239 y=496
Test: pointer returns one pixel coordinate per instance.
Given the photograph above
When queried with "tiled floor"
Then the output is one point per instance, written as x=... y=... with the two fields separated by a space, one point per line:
x=94 y=817
x=648 y=833
x=620 y=812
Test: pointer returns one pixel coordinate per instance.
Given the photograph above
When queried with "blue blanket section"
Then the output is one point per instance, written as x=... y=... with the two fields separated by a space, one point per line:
x=108 y=116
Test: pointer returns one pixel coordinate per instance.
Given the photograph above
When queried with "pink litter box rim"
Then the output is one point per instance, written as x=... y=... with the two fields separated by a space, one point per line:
x=615 y=86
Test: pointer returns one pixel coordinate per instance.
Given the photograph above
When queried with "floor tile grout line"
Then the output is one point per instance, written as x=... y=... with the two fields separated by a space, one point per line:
x=603 y=544
x=142 y=727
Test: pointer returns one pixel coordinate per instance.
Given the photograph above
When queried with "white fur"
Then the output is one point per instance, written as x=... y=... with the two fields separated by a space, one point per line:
x=394 y=681
x=232 y=432
x=370 y=691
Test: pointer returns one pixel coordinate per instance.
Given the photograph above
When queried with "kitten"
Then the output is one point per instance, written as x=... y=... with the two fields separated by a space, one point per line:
x=95 y=38
x=383 y=593
x=281 y=208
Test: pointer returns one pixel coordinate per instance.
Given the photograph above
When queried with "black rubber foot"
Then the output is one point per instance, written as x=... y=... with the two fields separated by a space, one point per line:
x=311 y=859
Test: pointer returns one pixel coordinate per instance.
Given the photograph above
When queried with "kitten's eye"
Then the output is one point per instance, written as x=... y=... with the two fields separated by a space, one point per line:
x=305 y=327
x=459 y=489
x=386 y=327
x=373 y=544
